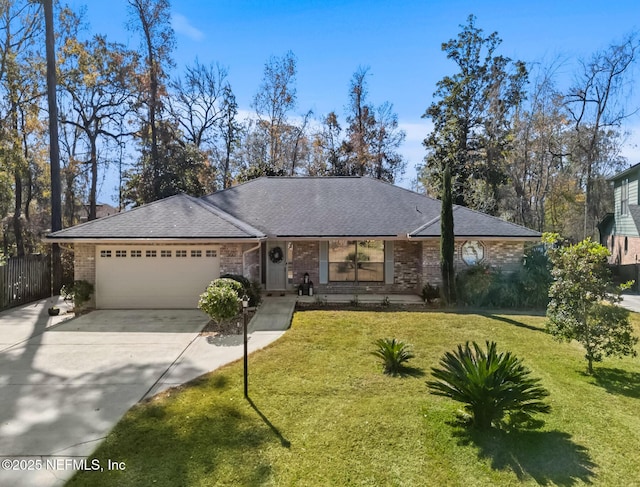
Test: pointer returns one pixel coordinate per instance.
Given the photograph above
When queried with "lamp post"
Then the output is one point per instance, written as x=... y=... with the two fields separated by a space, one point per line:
x=245 y=305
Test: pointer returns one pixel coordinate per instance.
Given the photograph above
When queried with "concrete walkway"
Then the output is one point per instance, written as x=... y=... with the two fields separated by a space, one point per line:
x=64 y=385
x=631 y=302
x=205 y=353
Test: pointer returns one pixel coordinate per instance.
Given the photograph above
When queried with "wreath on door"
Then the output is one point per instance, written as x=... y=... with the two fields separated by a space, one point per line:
x=276 y=255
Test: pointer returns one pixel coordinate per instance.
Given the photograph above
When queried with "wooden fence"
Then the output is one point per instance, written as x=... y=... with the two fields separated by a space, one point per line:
x=24 y=279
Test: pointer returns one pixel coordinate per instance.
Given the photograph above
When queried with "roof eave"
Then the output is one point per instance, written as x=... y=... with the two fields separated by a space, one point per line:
x=152 y=240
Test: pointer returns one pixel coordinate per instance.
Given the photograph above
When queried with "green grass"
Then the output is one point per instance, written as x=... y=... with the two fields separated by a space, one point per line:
x=323 y=413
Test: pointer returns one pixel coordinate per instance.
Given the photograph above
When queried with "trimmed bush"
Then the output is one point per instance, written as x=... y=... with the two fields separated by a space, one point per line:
x=393 y=353
x=492 y=385
x=251 y=288
x=221 y=298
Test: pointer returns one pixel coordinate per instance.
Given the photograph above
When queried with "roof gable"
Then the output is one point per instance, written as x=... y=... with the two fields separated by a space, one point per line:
x=179 y=216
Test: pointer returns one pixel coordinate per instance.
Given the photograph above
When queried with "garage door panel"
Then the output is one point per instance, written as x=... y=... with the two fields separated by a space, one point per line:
x=163 y=281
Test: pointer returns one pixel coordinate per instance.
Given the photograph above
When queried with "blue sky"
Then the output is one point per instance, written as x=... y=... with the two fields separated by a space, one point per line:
x=399 y=40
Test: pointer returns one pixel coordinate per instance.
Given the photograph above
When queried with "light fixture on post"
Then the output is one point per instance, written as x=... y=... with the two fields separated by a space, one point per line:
x=245 y=306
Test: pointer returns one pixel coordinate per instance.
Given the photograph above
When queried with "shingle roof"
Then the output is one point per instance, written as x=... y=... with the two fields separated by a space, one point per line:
x=295 y=207
x=349 y=206
x=471 y=223
x=179 y=216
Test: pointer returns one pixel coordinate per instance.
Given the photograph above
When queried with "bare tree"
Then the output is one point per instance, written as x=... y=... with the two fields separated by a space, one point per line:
x=196 y=102
x=152 y=18
x=96 y=77
x=273 y=102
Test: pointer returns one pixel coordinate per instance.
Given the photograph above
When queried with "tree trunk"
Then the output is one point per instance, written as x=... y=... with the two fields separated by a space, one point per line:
x=447 y=240
x=54 y=150
x=17 y=214
x=94 y=179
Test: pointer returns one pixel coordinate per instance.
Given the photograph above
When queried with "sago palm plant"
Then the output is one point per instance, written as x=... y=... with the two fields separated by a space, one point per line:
x=490 y=384
x=394 y=354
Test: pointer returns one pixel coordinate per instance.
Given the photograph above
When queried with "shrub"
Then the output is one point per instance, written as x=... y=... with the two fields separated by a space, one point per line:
x=483 y=286
x=490 y=384
x=251 y=288
x=82 y=291
x=394 y=354
x=535 y=278
x=473 y=285
x=221 y=298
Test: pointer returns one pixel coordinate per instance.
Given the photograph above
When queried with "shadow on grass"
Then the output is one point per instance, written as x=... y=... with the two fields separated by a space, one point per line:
x=410 y=372
x=283 y=441
x=618 y=381
x=519 y=324
x=549 y=457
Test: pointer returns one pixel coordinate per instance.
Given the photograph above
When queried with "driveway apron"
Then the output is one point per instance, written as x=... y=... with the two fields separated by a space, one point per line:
x=63 y=387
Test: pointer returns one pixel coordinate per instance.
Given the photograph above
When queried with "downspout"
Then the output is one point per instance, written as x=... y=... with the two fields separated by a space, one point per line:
x=244 y=254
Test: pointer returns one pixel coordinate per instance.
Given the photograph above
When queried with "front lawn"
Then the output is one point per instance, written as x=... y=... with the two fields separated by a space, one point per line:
x=322 y=413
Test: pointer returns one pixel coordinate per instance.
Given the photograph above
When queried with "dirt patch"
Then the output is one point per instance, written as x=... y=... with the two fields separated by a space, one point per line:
x=234 y=326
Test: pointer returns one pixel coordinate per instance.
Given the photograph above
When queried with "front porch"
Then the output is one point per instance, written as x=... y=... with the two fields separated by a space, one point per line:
x=364 y=299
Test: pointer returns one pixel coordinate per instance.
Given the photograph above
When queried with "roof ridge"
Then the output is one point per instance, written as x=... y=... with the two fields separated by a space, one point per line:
x=236 y=222
x=430 y=222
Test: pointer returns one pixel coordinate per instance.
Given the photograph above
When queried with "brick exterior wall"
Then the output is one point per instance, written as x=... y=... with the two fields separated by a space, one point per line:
x=252 y=262
x=415 y=263
x=407 y=263
x=231 y=258
x=407 y=274
x=506 y=255
x=624 y=250
x=306 y=258
x=84 y=264
x=84 y=267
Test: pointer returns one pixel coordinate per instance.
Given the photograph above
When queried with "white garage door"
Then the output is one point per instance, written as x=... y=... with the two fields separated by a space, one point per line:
x=155 y=276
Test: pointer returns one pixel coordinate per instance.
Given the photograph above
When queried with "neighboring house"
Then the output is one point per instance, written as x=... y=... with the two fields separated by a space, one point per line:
x=620 y=230
x=102 y=210
x=349 y=234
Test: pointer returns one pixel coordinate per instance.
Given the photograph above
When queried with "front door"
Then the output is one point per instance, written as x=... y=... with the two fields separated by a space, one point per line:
x=276 y=266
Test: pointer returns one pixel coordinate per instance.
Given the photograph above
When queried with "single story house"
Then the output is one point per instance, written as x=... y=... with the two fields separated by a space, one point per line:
x=349 y=234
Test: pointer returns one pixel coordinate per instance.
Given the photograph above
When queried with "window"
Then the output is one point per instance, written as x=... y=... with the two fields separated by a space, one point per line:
x=136 y=253
x=626 y=245
x=356 y=261
x=212 y=253
x=181 y=253
x=105 y=253
x=624 y=197
x=165 y=253
x=151 y=253
x=121 y=253
x=196 y=253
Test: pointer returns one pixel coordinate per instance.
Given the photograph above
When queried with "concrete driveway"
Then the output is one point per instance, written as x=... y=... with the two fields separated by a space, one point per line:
x=64 y=386
x=64 y=383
